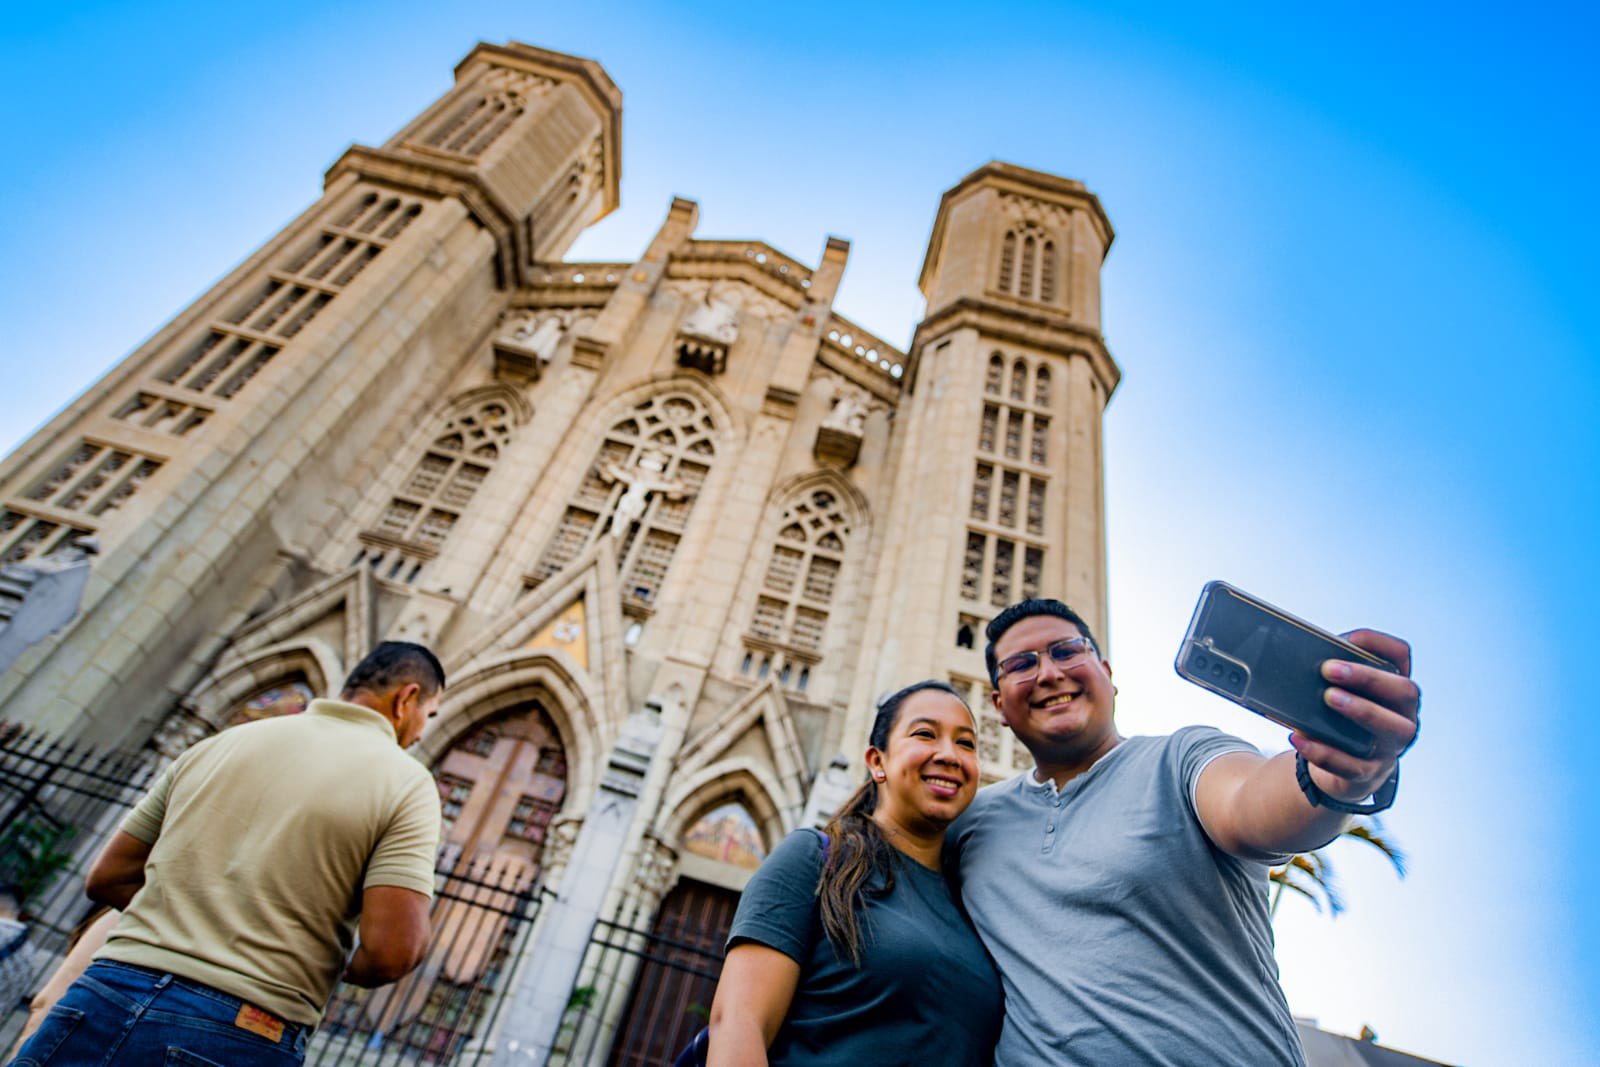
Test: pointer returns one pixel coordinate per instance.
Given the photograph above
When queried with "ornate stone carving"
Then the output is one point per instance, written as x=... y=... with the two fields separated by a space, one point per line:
x=655 y=869
x=647 y=476
x=710 y=330
x=178 y=731
x=558 y=844
x=525 y=340
x=839 y=436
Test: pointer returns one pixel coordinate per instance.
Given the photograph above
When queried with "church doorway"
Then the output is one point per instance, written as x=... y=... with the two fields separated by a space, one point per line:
x=672 y=992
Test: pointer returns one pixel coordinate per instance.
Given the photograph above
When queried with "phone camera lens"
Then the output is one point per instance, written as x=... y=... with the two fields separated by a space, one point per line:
x=1216 y=670
x=1234 y=678
x=1200 y=661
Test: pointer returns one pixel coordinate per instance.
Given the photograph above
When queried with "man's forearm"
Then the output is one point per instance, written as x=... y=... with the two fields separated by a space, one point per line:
x=1273 y=817
x=118 y=893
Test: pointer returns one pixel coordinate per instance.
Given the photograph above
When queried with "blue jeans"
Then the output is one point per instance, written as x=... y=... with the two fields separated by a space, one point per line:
x=118 y=1014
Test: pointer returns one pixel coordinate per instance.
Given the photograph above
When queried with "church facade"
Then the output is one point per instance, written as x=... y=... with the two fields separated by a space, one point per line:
x=672 y=525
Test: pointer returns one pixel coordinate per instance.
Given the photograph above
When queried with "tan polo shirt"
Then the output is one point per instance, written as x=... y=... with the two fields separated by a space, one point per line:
x=263 y=838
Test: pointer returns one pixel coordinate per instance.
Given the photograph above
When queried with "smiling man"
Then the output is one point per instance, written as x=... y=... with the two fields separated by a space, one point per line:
x=1121 y=885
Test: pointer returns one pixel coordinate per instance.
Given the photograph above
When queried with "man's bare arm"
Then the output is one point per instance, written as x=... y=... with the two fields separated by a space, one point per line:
x=394 y=936
x=118 y=872
x=1253 y=807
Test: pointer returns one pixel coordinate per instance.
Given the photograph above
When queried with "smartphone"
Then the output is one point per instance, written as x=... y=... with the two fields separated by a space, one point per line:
x=1243 y=648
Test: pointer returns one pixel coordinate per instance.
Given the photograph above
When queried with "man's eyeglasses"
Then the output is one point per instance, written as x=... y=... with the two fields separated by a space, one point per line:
x=1068 y=652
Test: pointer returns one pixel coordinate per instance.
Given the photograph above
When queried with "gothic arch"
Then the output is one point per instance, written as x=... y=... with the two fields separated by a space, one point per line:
x=228 y=684
x=521 y=410
x=500 y=682
x=740 y=779
x=615 y=406
x=856 y=506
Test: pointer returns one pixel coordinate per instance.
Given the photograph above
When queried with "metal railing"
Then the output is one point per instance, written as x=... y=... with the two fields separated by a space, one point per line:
x=641 y=995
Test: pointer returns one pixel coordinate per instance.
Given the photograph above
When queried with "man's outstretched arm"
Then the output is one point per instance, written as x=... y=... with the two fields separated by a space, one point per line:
x=1253 y=808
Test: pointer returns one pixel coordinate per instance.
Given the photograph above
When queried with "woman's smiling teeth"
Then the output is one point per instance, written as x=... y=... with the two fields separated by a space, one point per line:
x=942 y=787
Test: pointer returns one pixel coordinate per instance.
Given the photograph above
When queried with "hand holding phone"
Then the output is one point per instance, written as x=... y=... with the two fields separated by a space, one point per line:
x=1240 y=647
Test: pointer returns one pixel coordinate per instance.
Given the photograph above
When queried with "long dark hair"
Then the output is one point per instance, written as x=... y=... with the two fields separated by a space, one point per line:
x=857 y=847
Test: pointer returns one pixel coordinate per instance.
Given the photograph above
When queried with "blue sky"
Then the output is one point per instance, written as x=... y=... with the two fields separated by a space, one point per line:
x=1350 y=294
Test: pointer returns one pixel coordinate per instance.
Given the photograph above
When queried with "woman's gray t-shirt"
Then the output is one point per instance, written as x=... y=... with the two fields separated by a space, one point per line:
x=926 y=991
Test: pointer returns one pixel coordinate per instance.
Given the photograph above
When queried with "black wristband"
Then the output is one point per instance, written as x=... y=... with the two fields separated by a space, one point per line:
x=1382 y=800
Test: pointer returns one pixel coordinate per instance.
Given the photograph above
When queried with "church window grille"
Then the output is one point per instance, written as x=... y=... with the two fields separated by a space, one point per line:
x=1008 y=499
x=1029 y=267
x=1000 y=582
x=441 y=486
x=986 y=432
x=981 y=486
x=785 y=567
x=650 y=565
x=162 y=415
x=972 y=566
x=1014 y=434
x=530 y=818
x=997 y=370
x=1019 y=380
x=453 y=794
x=241 y=342
x=94 y=479
x=24 y=536
x=475 y=125
x=792 y=611
x=1008 y=511
x=1036 y=491
x=768 y=622
x=1008 y=260
x=665 y=445
x=1032 y=570
x=1047 y=273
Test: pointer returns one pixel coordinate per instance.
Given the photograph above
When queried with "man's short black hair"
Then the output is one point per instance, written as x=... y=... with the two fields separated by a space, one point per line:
x=393 y=664
x=1026 y=609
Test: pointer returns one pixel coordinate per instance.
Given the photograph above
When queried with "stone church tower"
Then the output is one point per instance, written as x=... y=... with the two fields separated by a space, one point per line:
x=672 y=524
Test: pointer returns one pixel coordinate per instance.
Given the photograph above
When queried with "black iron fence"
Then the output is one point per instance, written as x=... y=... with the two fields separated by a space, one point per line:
x=59 y=803
x=641 y=995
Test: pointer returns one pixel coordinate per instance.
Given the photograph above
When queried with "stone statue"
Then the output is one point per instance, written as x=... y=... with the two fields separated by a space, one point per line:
x=525 y=329
x=647 y=476
x=716 y=319
x=850 y=410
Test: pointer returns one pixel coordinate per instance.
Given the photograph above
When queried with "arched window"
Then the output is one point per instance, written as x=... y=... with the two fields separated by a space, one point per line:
x=1028 y=265
x=997 y=371
x=1047 y=273
x=639 y=490
x=419 y=518
x=727 y=833
x=1025 y=277
x=288 y=697
x=474 y=126
x=802 y=573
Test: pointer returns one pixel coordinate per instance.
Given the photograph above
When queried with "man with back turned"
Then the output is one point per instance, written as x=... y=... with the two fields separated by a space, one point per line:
x=243 y=875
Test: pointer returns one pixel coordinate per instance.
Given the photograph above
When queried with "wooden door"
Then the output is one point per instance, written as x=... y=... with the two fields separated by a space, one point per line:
x=672 y=991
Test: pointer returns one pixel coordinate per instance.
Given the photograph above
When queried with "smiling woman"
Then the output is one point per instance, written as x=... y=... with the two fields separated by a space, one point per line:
x=848 y=945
